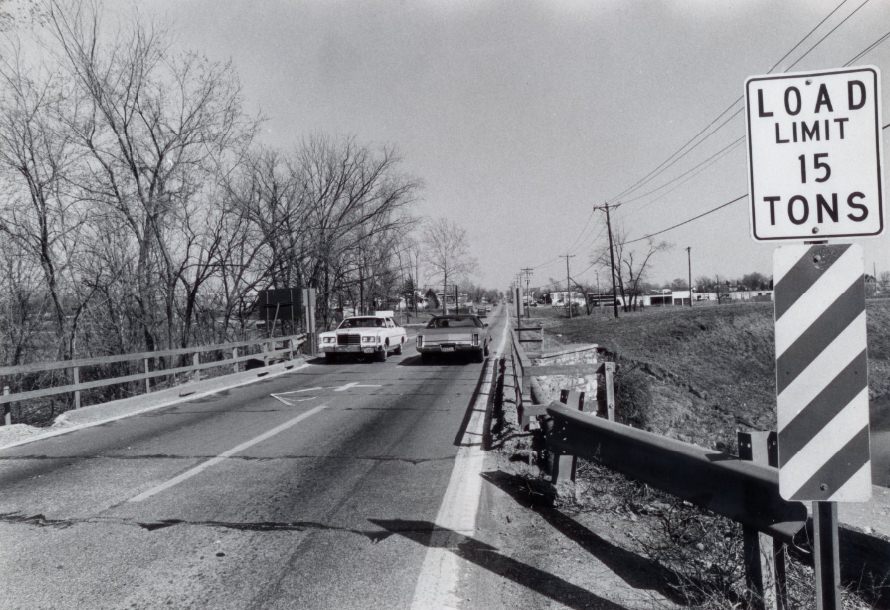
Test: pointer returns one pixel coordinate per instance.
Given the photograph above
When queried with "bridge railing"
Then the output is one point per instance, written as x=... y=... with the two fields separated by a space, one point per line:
x=269 y=349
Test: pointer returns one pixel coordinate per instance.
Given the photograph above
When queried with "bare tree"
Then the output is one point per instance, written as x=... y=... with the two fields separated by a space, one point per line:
x=631 y=264
x=447 y=252
x=153 y=126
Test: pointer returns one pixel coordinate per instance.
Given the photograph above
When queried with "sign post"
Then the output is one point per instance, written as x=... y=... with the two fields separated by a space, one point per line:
x=815 y=173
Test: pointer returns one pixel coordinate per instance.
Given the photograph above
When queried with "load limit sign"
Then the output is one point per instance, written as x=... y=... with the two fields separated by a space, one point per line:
x=814 y=154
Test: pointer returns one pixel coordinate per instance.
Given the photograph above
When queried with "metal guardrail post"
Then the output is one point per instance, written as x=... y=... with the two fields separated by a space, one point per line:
x=7 y=408
x=566 y=464
x=764 y=556
x=610 y=390
x=77 y=383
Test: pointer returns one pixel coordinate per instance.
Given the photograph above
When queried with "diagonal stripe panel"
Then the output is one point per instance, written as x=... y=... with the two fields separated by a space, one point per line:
x=802 y=275
x=821 y=373
x=807 y=308
x=835 y=472
x=838 y=393
x=824 y=366
x=825 y=442
x=855 y=486
x=820 y=334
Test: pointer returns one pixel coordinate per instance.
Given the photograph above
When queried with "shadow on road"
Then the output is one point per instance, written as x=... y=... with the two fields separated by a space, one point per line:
x=435 y=361
x=489 y=558
x=636 y=571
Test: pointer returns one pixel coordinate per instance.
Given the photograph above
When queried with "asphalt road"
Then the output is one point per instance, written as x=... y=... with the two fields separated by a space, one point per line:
x=287 y=493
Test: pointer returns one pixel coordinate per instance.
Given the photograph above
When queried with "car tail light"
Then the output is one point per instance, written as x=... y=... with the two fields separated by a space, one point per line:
x=419 y=341
x=475 y=339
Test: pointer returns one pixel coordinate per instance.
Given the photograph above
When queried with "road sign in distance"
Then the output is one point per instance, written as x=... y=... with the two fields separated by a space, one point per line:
x=814 y=154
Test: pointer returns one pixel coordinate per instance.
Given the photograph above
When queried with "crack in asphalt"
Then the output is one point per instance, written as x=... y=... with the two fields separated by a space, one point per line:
x=40 y=520
x=245 y=458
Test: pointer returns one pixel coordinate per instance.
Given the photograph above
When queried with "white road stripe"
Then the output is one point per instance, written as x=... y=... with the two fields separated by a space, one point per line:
x=801 y=315
x=821 y=371
x=225 y=454
x=437 y=584
x=795 y=472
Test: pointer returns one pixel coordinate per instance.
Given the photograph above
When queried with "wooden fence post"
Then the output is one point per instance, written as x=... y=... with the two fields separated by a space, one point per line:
x=76 y=383
x=235 y=357
x=7 y=408
x=196 y=360
x=764 y=556
x=147 y=380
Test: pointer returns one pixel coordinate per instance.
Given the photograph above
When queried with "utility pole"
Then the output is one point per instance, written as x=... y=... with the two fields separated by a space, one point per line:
x=527 y=272
x=611 y=255
x=689 y=267
x=568 y=283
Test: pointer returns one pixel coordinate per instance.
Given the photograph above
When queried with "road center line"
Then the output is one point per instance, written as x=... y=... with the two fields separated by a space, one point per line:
x=225 y=454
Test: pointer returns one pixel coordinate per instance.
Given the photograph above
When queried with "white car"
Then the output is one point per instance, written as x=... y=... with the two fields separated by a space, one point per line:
x=376 y=334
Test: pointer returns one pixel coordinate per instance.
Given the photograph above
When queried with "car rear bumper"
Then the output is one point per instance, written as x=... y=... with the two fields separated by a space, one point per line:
x=447 y=348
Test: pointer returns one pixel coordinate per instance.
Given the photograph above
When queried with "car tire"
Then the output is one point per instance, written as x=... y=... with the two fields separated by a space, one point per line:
x=330 y=358
x=381 y=355
x=398 y=350
x=485 y=351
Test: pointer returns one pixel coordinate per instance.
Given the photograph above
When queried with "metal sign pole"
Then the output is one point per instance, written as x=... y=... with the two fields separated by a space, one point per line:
x=827 y=558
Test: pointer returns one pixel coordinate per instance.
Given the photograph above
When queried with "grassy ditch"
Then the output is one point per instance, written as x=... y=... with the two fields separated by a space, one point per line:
x=698 y=374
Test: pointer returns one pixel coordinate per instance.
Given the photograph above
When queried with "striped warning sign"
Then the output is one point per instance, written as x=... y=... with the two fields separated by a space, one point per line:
x=821 y=373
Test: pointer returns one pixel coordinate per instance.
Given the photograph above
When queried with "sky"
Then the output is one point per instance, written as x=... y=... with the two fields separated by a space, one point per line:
x=521 y=116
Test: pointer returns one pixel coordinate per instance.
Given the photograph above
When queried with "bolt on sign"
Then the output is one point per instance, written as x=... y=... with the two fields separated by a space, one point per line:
x=821 y=373
x=814 y=154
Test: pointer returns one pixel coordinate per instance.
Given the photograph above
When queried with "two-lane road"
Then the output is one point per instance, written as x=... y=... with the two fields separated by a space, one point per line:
x=267 y=496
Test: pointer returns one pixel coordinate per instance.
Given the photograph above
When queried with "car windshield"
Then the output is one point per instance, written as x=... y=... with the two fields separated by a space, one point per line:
x=454 y=322
x=361 y=323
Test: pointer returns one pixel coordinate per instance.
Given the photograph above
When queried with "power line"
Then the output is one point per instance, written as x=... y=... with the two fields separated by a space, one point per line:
x=830 y=32
x=870 y=48
x=688 y=146
x=703 y=214
x=687 y=221
x=712 y=158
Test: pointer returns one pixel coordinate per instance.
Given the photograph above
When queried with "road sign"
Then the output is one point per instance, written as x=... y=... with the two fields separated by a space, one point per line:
x=821 y=373
x=814 y=154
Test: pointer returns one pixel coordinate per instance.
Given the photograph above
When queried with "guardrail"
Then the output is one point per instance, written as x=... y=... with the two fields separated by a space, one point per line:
x=741 y=490
x=269 y=349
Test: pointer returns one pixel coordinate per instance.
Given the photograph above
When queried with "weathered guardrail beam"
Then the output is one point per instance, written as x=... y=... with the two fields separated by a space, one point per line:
x=742 y=491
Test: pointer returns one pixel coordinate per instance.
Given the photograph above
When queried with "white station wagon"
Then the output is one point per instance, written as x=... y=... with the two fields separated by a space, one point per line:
x=376 y=334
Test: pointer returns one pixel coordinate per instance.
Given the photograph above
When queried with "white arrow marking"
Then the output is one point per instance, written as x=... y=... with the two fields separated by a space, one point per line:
x=292 y=401
x=355 y=384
